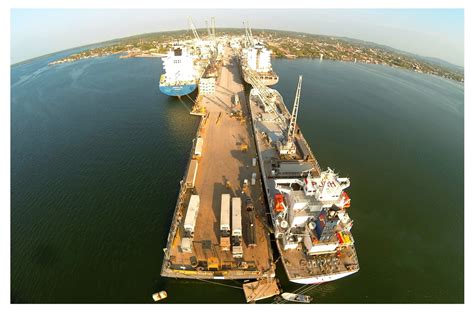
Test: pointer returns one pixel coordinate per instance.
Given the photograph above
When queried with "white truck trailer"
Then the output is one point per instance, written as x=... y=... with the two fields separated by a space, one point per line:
x=198 y=147
x=192 y=172
x=237 y=250
x=225 y=222
x=236 y=216
x=191 y=216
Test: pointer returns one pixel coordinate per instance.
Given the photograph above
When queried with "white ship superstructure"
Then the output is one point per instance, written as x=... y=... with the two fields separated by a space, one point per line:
x=257 y=58
x=180 y=77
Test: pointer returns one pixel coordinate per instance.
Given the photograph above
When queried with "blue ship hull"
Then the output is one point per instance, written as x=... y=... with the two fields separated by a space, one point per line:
x=178 y=90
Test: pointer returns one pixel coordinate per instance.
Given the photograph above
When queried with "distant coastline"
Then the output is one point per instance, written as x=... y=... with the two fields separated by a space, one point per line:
x=284 y=44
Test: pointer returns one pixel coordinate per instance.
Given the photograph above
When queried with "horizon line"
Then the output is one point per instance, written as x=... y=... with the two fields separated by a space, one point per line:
x=224 y=28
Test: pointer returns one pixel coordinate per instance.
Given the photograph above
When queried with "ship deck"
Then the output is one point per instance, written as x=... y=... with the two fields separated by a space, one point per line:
x=222 y=162
x=297 y=264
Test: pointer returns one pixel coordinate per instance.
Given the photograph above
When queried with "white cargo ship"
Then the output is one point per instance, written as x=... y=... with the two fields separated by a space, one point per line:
x=257 y=59
x=308 y=206
x=181 y=76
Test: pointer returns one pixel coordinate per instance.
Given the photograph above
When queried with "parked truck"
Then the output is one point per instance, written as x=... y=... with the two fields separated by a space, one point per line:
x=225 y=222
x=237 y=251
x=191 y=216
x=198 y=147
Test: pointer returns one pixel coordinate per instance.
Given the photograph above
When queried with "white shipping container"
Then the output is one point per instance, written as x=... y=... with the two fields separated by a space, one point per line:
x=192 y=213
x=225 y=212
x=236 y=217
x=198 y=147
x=254 y=161
x=192 y=172
x=254 y=178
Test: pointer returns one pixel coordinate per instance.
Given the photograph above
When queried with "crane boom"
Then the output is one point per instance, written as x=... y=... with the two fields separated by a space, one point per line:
x=250 y=33
x=193 y=28
x=213 y=27
x=294 y=114
x=208 y=30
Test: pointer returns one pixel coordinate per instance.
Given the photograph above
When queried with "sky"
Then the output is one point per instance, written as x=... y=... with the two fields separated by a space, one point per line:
x=429 y=32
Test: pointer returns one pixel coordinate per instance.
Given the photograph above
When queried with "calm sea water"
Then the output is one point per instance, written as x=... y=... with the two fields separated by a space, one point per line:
x=97 y=155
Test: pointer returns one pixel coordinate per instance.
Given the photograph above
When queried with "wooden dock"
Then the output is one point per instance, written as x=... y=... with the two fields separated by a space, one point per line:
x=261 y=289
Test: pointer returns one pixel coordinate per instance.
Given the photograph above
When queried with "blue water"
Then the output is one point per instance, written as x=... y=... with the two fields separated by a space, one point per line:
x=98 y=152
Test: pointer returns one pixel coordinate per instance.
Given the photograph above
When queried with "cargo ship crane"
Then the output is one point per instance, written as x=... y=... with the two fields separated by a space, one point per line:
x=294 y=114
x=248 y=35
x=193 y=29
x=267 y=97
x=289 y=147
x=213 y=27
x=208 y=30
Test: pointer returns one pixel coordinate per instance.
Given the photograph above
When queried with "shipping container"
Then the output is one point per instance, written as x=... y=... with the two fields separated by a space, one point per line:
x=236 y=216
x=225 y=212
x=191 y=214
x=198 y=147
x=192 y=172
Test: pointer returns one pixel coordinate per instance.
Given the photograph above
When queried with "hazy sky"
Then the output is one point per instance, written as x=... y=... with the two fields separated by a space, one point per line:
x=429 y=32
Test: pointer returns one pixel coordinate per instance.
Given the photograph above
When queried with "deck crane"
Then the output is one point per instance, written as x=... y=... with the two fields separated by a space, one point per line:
x=294 y=114
x=248 y=35
x=288 y=147
x=267 y=97
x=213 y=33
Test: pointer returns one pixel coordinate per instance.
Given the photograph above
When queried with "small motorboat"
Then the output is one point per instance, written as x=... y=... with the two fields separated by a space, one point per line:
x=300 y=298
x=160 y=296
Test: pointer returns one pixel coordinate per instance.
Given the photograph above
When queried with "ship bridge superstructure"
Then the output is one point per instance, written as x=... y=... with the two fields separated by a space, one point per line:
x=179 y=66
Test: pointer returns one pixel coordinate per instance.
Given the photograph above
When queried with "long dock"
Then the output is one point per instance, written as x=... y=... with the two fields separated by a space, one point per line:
x=220 y=164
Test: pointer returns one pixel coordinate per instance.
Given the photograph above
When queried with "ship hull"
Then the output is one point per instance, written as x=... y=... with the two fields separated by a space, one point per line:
x=178 y=90
x=268 y=79
x=322 y=279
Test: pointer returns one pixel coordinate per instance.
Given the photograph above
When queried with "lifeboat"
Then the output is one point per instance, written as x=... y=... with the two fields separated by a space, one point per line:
x=300 y=298
x=347 y=200
x=279 y=203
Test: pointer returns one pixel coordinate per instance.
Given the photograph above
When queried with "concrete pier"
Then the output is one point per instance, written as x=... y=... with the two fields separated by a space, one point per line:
x=224 y=165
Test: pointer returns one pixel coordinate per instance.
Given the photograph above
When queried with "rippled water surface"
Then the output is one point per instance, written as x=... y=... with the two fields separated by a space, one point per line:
x=98 y=153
